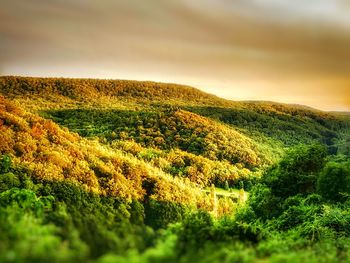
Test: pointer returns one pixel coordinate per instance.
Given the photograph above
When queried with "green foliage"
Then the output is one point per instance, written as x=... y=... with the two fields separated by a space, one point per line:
x=5 y=163
x=195 y=228
x=277 y=123
x=25 y=237
x=138 y=193
x=162 y=129
x=69 y=224
x=8 y=181
x=297 y=172
x=334 y=181
x=89 y=224
x=161 y=214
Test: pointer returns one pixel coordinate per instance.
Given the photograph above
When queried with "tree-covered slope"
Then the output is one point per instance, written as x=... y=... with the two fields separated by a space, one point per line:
x=126 y=171
x=288 y=125
x=51 y=153
x=267 y=122
x=169 y=129
x=94 y=89
x=170 y=117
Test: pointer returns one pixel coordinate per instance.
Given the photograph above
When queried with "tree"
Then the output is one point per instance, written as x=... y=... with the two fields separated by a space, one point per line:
x=297 y=172
x=226 y=186
x=5 y=164
x=334 y=181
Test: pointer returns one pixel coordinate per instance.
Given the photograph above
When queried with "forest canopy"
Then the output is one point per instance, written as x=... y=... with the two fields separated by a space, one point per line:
x=127 y=171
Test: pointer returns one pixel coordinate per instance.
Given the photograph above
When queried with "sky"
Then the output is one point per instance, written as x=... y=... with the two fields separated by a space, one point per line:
x=292 y=51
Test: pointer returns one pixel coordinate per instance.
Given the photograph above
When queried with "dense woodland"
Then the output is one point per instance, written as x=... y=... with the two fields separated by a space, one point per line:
x=126 y=171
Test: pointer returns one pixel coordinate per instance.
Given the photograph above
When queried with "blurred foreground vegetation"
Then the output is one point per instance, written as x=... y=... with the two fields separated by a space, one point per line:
x=299 y=211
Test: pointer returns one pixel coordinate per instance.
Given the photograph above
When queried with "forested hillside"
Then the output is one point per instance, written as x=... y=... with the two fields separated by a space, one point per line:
x=127 y=171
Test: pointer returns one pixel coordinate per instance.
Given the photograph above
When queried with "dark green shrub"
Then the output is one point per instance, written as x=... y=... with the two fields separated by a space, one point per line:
x=8 y=181
x=5 y=163
x=264 y=204
x=161 y=214
x=297 y=172
x=334 y=181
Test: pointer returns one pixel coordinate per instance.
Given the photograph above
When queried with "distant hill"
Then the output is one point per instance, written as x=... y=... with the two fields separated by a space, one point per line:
x=345 y=113
x=87 y=89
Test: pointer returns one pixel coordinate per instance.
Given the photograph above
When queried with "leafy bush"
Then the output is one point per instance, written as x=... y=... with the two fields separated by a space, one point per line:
x=297 y=172
x=5 y=163
x=334 y=181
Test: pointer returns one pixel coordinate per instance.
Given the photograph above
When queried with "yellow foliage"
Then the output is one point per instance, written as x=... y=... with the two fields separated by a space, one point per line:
x=53 y=153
